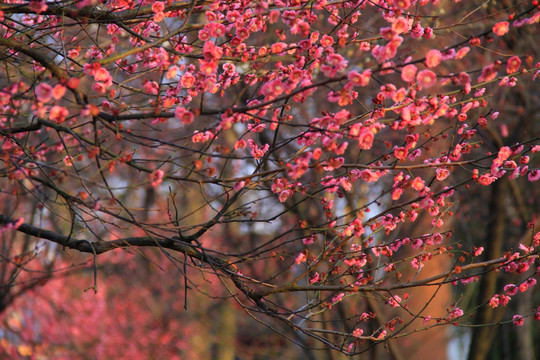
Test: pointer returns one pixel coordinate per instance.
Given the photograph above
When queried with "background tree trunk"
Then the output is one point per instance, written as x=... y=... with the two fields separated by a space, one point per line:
x=482 y=337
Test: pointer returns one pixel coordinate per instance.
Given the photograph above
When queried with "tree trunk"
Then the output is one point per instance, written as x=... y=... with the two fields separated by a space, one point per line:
x=482 y=337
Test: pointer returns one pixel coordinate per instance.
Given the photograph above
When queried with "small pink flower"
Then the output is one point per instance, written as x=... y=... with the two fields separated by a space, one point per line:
x=417 y=31
x=489 y=72
x=396 y=194
x=158 y=17
x=417 y=184
x=359 y=79
x=256 y=151
x=158 y=7
x=462 y=52
x=510 y=289
x=151 y=87
x=366 y=316
x=455 y=313
x=365 y=139
x=204 y=35
x=202 y=136
x=58 y=91
x=426 y=78
x=437 y=222
x=536 y=315
x=526 y=249
x=433 y=58
x=334 y=64
x=240 y=144
x=211 y=52
x=414 y=154
x=239 y=185
x=504 y=130
x=403 y=4
x=284 y=195
x=513 y=64
x=102 y=74
x=68 y=160
x=394 y=301
x=58 y=114
x=171 y=73
x=428 y=33
x=99 y=88
x=338 y=298
x=300 y=258
x=442 y=173
x=504 y=299
x=401 y=25
x=186 y=117
x=314 y=278
x=416 y=243
x=478 y=251
x=415 y=263
x=408 y=72
x=401 y=153
x=273 y=88
x=501 y=28
x=326 y=41
x=44 y=92
x=278 y=47
x=486 y=179
x=534 y=175
x=357 y=332
x=309 y=240
x=208 y=67
x=336 y=60
x=364 y=46
x=517 y=320
x=504 y=153
x=156 y=177
x=494 y=301
x=38 y=6
x=333 y=164
x=187 y=81
x=73 y=83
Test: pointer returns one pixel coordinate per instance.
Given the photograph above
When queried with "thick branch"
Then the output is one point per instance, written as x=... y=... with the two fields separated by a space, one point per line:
x=97 y=248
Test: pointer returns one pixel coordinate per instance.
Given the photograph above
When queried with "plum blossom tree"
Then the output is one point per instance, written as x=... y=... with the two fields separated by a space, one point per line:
x=358 y=176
